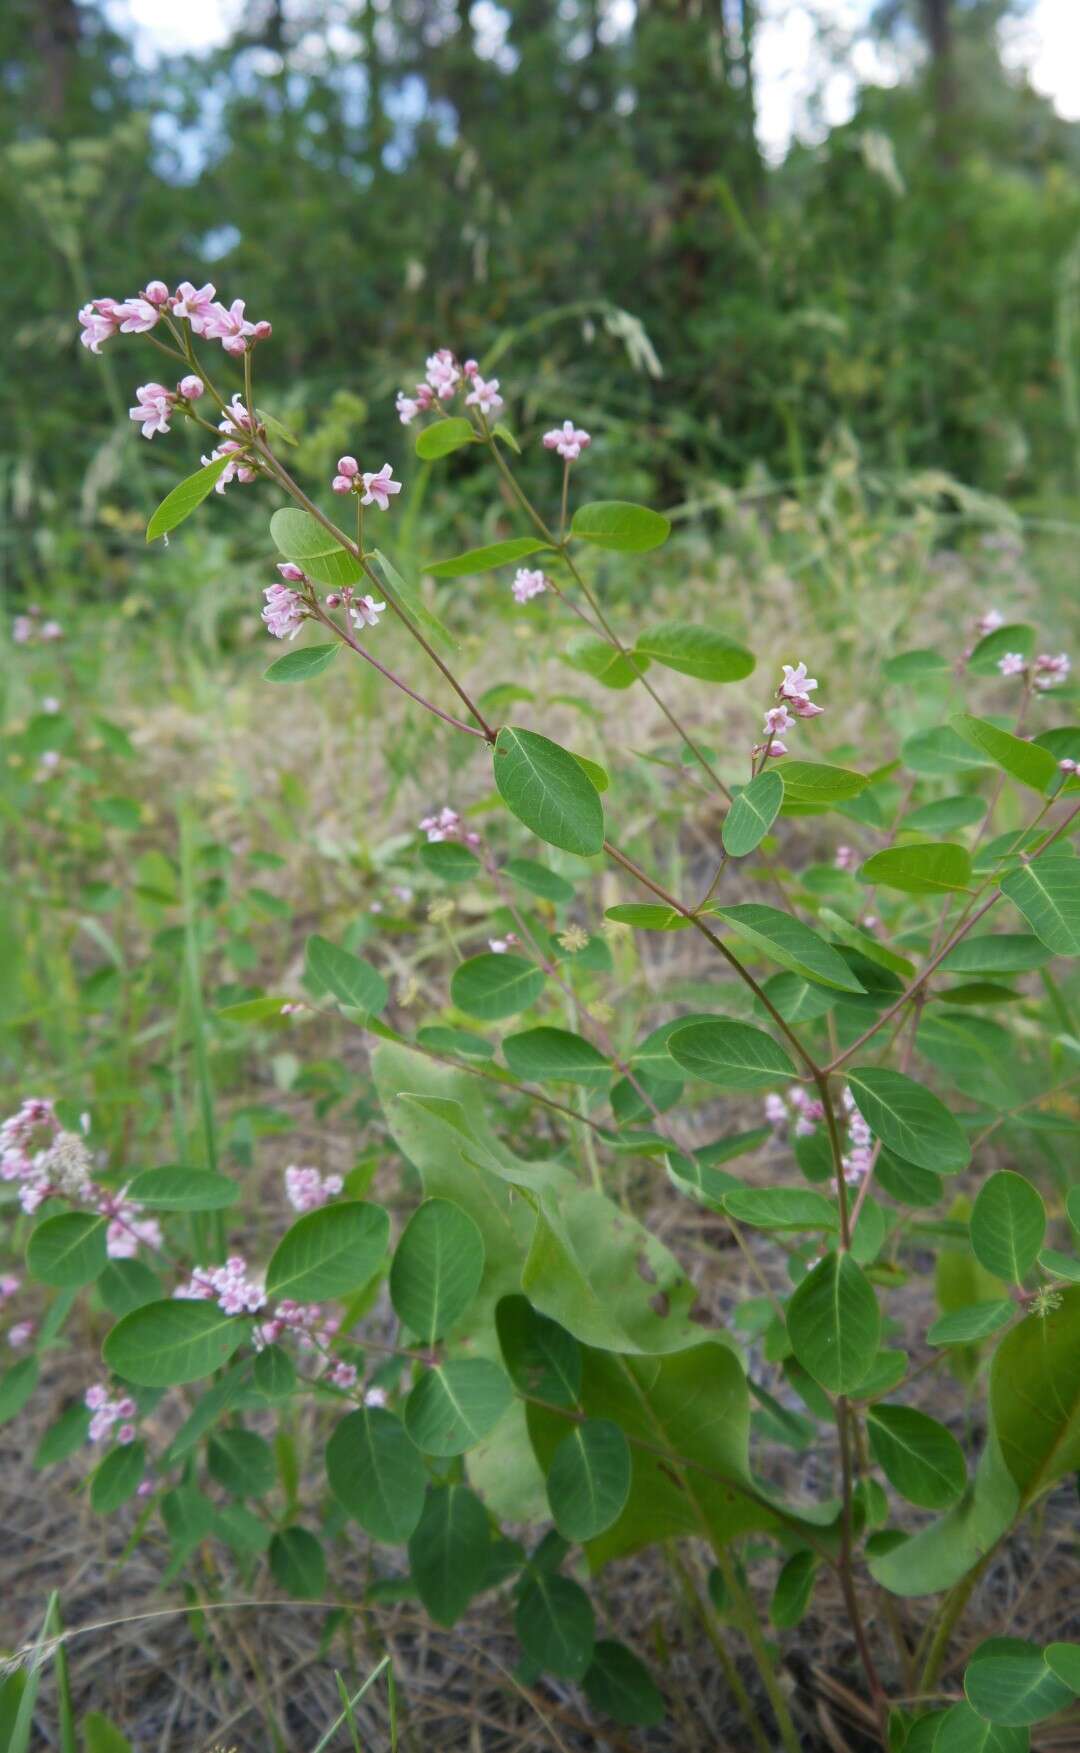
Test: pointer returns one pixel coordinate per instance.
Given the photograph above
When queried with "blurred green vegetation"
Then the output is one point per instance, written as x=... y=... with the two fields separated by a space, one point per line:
x=572 y=192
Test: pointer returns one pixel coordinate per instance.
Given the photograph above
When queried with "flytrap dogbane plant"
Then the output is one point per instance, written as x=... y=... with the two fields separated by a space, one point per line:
x=552 y=1358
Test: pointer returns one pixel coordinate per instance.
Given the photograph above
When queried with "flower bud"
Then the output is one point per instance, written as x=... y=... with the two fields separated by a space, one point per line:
x=191 y=388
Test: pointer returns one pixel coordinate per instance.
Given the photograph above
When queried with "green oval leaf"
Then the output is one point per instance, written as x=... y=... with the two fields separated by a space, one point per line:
x=604 y=662
x=185 y=497
x=298 y=1563
x=696 y=651
x=1047 y=893
x=1011 y=952
x=1022 y=760
x=548 y=1055
x=933 y=868
x=301 y=538
x=945 y=815
x=437 y=1269
x=646 y=916
x=794 y=1587
x=1008 y=1224
x=173 y=1341
x=733 y=1055
x=811 y=782
x=917 y=1455
x=449 y=1551
x=834 y=1324
x=242 y=1462
x=68 y=1250
x=962 y=1730
x=377 y=1473
x=180 y=1189
x=781 y=1208
x=753 y=811
x=303 y=664
x=539 y=880
x=329 y=1252
x=588 y=1481
x=443 y=437
x=488 y=558
x=546 y=789
x=492 y=986
x=408 y=598
x=556 y=1625
x=1014 y=636
x=543 y=1359
x=909 y=1119
x=1035 y=1396
x=1008 y=1682
x=789 y=942
x=1063 y=1659
x=454 y=1404
x=621 y=1687
x=968 y=1325
x=615 y=523
x=351 y=981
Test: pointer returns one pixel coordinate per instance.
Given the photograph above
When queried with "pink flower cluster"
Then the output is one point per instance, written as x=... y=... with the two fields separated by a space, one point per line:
x=285 y=611
x=108 y=1414
x=374 y=487
x=809 y=1114
x=229 y=1286
x=240 y=467
x=306 y=1321
x=20 y=1331
x=442 y=377
x=155 y=404
x=61 y=1167
x=794 y=696
x=104 y=317
x=499 y=945
x=846 y=858
x=446 y=824
x=568 y=440
x=1047 y=671
x=527 y=584
x=29 y=629
x=306 y=1189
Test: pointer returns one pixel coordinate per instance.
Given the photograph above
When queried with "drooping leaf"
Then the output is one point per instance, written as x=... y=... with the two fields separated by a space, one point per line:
x=495 y=986
x=449 y=1551
x=1008 y=1223
x=731 y=1054
x=929 y=868
x=329 y=1252
x=164 y=1343
x=909 y=1119
x=753 y=811
x=377 y=1473
x=437 y=1268
x=1047 y=893
x=1035 y=1396
x=544 y=1360
x=834 y=1323
x=697 y=651
x=185 y=497
x=614 y=523
x=588 y=1481
x=301 y=538
x=787 y=941
x=1022 y=760
x=918 y=1455
x=546 y=789
x=556 y=1625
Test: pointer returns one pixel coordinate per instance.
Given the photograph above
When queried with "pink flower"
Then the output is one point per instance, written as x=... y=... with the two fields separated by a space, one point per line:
x=236 y=1294
x=569 y=440
x=846 y=858
x=989 y=622
x=52 y=630
x=20 y=1334
x=228 y=325
x=1050 y=671
x=291 y=572
x=375 y=1397
x=527 y=584
x=778 y=718
x=348 y=466
x=238 y=469
x=379 y=487
x=156 y=292
x=306 y=1189
x=803 y=706
x=407 y=408
x=484 y=396
x=96 y=1397
x=341 y=484
x=1014 y=663
x=9 y=1284
x=22 y=630
x=127 y=1231
x=442 y=373
x=136 y=316
x=796 y=683
x=154 y=409
x=776 y=747
x=284 y=613
x=194 y=304
x=1068 y=766
x=499 y=945
x=342 y=1375
x=446 y=825
x=99 y=321
x=191 y=388
x=126 y=1434
x=365 y=611
x=775 y=1109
